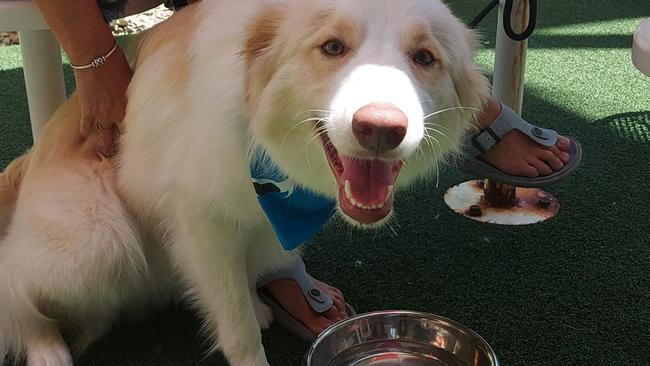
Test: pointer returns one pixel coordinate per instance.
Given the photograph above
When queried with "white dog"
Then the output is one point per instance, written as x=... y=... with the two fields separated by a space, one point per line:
x=348 y=98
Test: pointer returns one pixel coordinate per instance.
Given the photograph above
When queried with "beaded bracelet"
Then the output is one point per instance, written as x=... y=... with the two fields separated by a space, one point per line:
x=96 y=62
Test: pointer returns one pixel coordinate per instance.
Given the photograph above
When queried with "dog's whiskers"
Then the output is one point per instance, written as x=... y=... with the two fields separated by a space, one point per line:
x=434 y=124
x=449 y=109
x=316 y=111
x=436 y=159
x=431 y=129
x=317 y=119
x=319 y=131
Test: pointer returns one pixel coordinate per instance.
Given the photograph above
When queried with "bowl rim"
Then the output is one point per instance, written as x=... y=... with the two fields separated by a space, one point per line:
x=331 y=329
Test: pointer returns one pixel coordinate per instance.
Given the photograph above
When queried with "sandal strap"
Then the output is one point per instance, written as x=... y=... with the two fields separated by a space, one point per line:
x=486 y=138
x=317 y=299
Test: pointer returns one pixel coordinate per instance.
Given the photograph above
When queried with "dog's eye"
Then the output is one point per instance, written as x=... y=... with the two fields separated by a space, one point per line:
x=424 y=58
x=333 y=47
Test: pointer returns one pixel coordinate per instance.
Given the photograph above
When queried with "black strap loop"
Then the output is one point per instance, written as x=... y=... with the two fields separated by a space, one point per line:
x=507 y=24
x=507 y=15
x=483 y=14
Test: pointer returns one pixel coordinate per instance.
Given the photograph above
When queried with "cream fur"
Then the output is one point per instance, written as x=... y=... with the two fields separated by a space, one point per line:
x=91 y=240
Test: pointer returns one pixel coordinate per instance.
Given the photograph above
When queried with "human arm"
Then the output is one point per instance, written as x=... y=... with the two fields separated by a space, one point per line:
x=84 y=35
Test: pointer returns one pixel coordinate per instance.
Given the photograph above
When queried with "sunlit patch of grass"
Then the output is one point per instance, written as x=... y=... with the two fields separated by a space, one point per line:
x=632 y=126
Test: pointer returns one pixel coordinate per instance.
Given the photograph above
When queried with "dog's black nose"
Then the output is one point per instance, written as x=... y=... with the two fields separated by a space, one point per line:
x=379 y=127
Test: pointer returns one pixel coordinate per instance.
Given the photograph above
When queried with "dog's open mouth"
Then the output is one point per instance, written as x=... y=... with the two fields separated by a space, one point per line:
x=365 y=186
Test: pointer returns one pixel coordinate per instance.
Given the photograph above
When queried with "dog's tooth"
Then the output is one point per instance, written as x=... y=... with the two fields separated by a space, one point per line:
x=391 y=188
x=348 y=189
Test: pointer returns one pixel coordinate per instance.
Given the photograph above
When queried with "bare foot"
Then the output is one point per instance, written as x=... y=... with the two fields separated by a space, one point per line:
x=290 y=296
x=517 y=154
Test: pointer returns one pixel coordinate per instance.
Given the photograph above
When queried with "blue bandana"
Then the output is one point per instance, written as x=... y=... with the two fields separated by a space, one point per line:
x=296 y=214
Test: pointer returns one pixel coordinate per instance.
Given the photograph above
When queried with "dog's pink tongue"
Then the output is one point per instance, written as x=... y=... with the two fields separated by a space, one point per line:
x=369 y=179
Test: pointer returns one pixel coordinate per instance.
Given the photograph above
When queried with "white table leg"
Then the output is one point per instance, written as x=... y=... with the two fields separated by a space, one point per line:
x=641 y=47
x=510 y=58
x=43 y=76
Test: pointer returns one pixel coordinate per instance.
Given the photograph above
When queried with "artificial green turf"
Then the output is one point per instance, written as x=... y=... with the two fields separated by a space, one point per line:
x=572 y=291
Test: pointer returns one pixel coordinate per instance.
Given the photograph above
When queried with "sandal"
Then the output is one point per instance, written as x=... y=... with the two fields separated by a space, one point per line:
x=318 y=300
x=488 y=137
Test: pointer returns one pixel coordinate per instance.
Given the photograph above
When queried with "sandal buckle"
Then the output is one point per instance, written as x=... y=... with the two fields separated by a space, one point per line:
x=539 y=133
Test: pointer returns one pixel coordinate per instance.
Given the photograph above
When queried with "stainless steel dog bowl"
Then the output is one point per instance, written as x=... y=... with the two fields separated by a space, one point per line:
x=404 y=338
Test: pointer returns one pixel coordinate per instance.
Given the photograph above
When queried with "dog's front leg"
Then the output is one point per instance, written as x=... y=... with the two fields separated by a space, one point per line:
x=212 y=257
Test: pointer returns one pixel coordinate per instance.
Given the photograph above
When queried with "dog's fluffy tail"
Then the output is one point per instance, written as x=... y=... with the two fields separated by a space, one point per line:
x=70 y=257
x=10 y=181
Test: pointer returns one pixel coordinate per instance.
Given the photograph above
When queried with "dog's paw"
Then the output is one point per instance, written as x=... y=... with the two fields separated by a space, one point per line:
x=48 y=354
x=263 y=313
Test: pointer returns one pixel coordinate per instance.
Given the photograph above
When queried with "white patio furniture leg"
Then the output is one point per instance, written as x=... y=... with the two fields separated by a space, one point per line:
x=510 y=58
x=641 y=47
x=43 y=76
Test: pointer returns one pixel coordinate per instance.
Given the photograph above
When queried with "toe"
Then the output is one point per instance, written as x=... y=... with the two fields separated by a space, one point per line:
x=333 y=314
x=563 y=143
x=528 y=170
x=520 y=167
x=542 y=167
x=339 y=305
x=549 y=157
x=336 y=293
x=317 y=324
x=562 y=155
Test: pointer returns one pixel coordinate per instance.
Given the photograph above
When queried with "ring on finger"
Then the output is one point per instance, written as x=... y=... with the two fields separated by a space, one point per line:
x=100 y=127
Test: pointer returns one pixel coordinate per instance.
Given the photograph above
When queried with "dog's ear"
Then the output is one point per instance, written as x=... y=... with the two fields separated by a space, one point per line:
x=259 y=51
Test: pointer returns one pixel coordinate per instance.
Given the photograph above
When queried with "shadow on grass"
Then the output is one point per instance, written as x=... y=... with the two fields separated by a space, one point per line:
x=574 y=42
x=631 y=126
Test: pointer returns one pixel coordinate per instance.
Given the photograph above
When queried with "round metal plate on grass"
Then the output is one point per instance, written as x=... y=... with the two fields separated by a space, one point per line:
x=533 y=205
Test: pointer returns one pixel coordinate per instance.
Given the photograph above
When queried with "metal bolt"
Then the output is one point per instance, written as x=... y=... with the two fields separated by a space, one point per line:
x=544 y=202
x=475 y=210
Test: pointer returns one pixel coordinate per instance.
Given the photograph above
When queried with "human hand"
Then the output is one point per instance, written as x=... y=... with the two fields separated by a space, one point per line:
x=102 y=97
